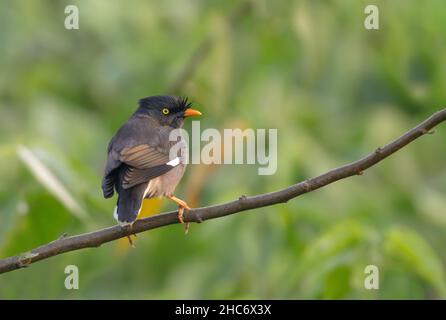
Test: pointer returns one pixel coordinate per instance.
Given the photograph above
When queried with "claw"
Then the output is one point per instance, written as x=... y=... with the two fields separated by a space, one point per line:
x=132 y=244
x=129 y=236
x=181 y=219
x=181 y=206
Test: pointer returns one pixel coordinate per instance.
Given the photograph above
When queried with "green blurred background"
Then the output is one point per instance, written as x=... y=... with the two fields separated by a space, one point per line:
x=334 y=91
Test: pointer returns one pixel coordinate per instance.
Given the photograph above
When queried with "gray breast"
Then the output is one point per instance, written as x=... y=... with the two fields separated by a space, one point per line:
x=165 y=184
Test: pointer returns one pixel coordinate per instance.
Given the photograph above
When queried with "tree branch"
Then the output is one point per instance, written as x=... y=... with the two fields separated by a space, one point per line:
x=97 y=238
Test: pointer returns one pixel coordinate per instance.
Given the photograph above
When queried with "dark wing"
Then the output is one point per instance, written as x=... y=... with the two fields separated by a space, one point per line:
x=143 y=164
x=138 y=163
x=143 y=156
x=111 y=173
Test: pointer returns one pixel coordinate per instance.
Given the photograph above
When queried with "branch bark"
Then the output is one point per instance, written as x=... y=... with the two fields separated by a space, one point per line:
x=97 y=238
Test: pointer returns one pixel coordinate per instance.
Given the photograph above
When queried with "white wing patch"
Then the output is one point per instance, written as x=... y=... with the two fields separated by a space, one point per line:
x=174 y=162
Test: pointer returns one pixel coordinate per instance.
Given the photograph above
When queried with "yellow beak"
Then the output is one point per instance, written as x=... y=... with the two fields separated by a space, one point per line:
x=191 y=112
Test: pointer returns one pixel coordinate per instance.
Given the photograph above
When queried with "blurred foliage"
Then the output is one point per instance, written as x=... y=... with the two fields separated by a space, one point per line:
x=334 y=90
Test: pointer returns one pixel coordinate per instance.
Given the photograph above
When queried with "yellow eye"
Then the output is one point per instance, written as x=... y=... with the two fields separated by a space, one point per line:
x=165 y=111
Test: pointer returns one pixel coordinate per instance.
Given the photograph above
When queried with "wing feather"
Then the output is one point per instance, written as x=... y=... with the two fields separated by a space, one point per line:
x=143 y=164
x=143 y=157
x=130 y=166
x=133 y=177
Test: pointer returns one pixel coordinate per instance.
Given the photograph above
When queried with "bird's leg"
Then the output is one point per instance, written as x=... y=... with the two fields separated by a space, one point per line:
x=132 y=244
x=180 y=217
x=181 y=206
x=129 y=236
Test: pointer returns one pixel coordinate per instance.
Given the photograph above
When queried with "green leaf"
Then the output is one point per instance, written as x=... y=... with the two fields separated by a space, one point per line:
x=416 y=254
x=337 y=283
x=336 y=248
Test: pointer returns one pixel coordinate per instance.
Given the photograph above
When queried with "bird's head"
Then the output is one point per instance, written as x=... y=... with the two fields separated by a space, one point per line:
x=167 y=110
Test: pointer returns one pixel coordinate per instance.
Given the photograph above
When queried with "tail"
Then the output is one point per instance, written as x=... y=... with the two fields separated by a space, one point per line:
x=129 y=203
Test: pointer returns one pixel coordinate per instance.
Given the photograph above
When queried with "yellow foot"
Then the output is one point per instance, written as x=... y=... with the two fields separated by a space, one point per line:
x=132 y=244
x=180 y=217
x=181 y=206
x=129 y=236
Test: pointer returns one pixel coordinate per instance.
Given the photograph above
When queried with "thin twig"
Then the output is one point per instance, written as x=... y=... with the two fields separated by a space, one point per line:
x=97 y=238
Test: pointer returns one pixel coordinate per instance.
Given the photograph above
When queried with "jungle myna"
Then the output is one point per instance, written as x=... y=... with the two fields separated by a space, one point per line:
x=138 y=164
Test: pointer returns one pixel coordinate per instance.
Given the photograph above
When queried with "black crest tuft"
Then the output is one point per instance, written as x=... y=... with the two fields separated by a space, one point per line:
x=183 y=103
x=159 y=102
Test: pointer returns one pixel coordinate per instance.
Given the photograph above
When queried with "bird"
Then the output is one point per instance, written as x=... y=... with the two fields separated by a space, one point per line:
x=139 y=162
